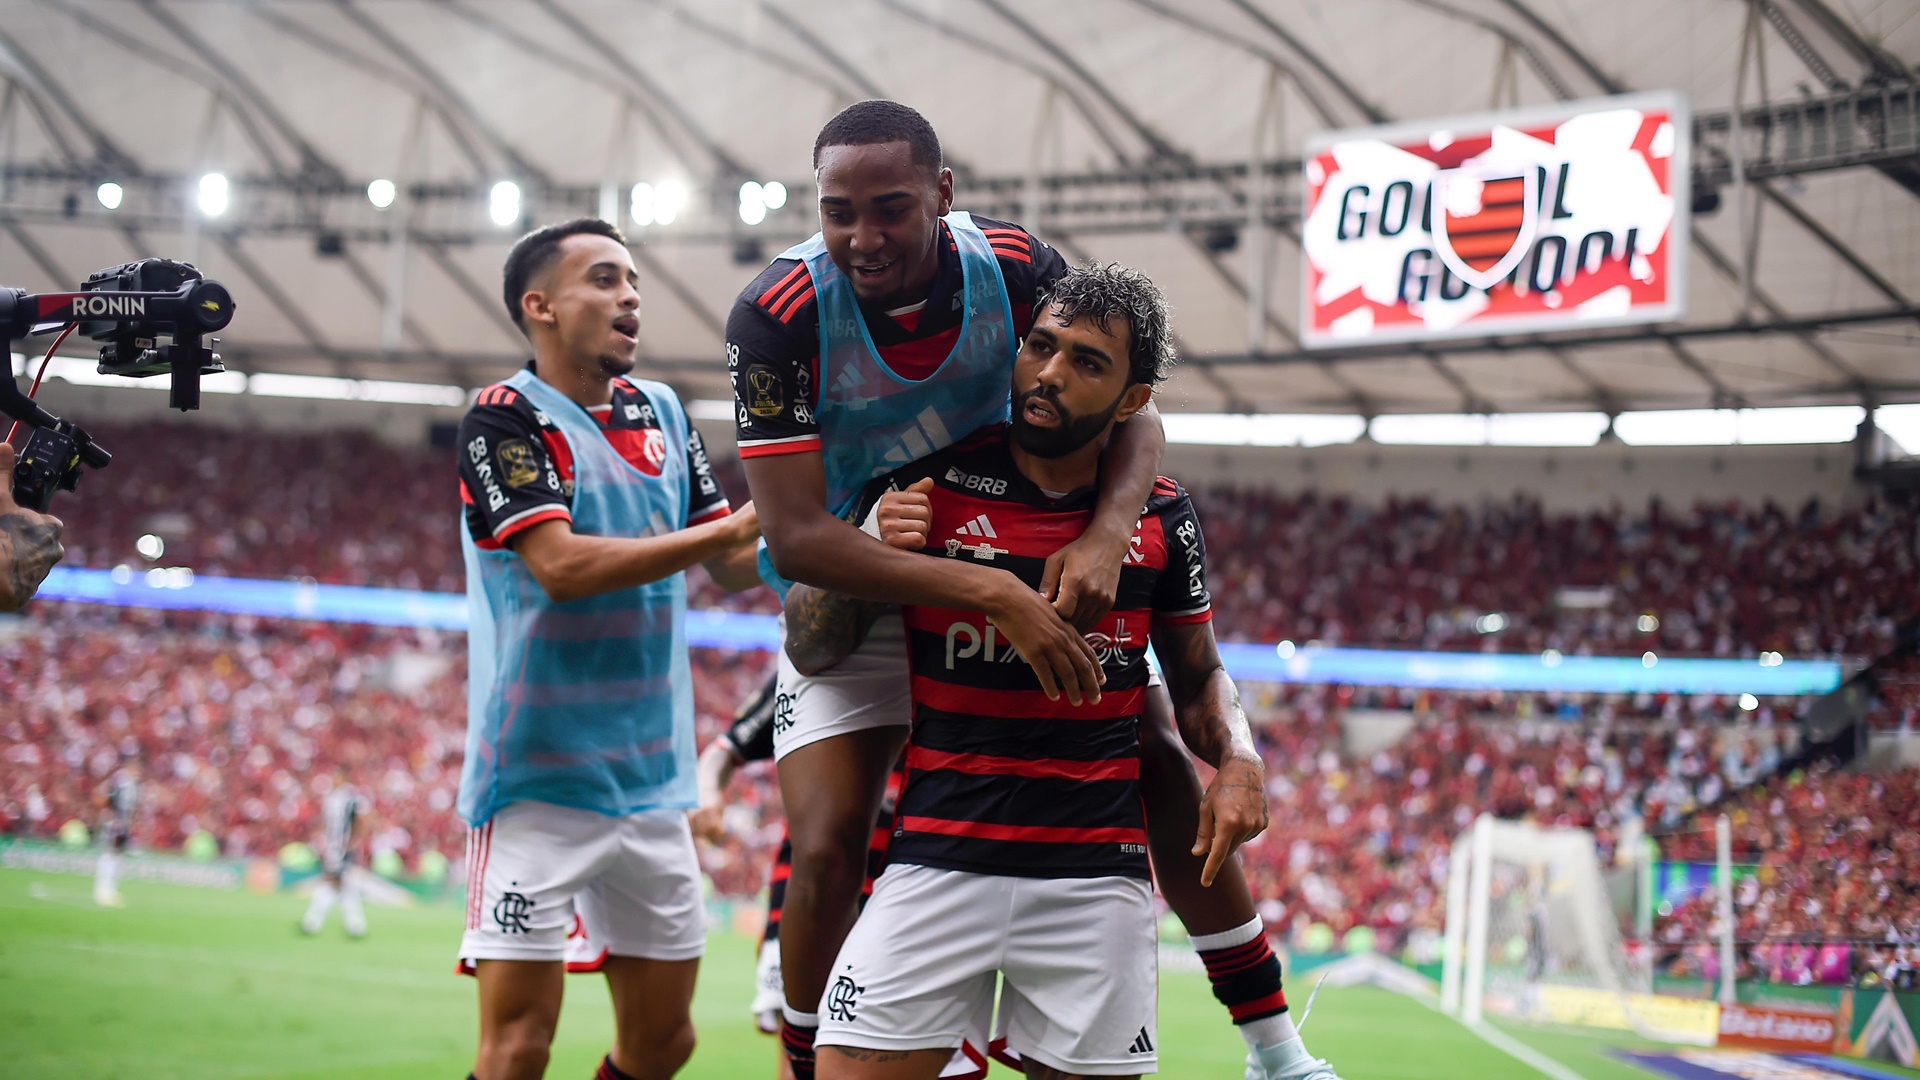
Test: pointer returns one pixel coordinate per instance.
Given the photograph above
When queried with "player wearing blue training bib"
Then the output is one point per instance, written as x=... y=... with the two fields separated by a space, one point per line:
x=587 y=497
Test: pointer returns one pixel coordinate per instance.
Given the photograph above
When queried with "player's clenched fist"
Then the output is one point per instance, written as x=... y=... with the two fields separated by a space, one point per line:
x=905 y=516
x=1232 y=812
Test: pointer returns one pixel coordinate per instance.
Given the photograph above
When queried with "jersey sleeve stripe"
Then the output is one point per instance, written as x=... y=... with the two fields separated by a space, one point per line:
x=925 y=759
x=714 y=514
x=1185 y=618
x=1016 y=254
x=1009 y=240
x=798 y=444
x=1044 y=834
x=767 y=298
x=526 y=519
x=793 y=306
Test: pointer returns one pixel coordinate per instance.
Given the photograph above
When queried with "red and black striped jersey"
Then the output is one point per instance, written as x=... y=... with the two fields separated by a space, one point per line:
x=1001 y=780
x=529 y=474
x=773 y=334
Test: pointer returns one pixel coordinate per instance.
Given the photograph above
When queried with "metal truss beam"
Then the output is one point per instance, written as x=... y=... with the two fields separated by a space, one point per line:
x=1597 y=338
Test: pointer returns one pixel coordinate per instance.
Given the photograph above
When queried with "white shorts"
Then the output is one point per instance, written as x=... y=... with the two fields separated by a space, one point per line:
x=1077 y=956
x=868 y=689
x=633 y=882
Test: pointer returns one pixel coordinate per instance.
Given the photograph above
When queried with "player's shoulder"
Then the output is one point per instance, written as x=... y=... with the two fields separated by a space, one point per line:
x=1011 y=242
x=783 y=293
x=503 y=405
x=1168 y=497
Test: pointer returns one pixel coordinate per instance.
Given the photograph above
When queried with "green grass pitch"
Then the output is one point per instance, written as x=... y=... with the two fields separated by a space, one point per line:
x=187 y=983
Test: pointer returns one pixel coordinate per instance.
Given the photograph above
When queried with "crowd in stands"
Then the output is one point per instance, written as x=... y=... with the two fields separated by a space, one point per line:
x=238 y=724
x=1835 y=858
x=1719 y=580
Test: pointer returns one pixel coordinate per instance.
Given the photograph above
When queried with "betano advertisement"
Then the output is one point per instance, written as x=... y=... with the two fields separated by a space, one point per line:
x=1568 y=217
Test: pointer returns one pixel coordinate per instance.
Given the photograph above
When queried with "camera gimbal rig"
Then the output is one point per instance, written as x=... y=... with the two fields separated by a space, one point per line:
x=127 y=309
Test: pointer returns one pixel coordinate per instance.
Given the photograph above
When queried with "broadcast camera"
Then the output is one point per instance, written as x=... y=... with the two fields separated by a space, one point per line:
x=128 y=309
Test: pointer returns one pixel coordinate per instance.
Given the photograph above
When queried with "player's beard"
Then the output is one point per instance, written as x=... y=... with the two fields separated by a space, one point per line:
x=1070 y=434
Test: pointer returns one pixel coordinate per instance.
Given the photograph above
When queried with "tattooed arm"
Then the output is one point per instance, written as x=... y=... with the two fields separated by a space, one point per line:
x=1206 y=705
x=29 y=543
x=823 y=627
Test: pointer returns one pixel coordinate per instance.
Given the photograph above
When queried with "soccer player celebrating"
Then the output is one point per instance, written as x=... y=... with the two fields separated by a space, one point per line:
x=588 y=494
x=877 y=342
x=1020 y=847
x=343 y=826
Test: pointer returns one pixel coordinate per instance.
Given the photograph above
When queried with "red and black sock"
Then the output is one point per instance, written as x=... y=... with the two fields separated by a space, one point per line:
x=609 y=1071
x=797 y=1041
x=1246 y=979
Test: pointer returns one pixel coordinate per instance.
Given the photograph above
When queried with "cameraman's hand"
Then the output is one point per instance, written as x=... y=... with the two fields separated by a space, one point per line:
x=29 y=542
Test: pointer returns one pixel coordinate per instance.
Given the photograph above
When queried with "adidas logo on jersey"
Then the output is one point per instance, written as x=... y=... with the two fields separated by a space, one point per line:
x=1142 y=1043
x=983 y=550
x=979 y=526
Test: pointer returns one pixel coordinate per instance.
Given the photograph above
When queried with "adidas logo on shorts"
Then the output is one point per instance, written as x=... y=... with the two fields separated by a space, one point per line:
x=1141 y=1043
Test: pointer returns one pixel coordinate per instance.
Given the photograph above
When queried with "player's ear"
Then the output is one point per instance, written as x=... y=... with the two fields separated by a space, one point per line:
x=1132 y=401
x=945 y=188
x=536 y=307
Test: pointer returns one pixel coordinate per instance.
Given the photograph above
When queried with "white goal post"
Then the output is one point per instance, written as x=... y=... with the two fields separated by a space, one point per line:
x=1532 y=935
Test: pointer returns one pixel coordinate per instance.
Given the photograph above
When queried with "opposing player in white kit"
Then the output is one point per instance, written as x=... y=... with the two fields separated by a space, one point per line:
x=1019 y=854
x=589 y=494
x=343 y=826
x=119 y=802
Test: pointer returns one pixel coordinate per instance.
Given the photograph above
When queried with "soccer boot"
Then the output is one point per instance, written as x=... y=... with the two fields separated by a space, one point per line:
x=1288 y=1061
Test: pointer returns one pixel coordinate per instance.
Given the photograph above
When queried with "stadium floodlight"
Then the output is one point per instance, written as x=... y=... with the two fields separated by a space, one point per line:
x=1648 y=659
x=1647 y=624
x=214 y=192
x=1746 y=427
x=1494 y=429
x=753 y=213
x=110 y=195
x=150 y=547
x=670 y=197
x=1771 y=659
x=1285 y=650
x=503 y=204
x=1901 y=423
x=1551 y=658
x=1748 y=703
x=1263 y=429
x=643 y=204
x=1491 y=623
x=774 y=194
x=380 y=193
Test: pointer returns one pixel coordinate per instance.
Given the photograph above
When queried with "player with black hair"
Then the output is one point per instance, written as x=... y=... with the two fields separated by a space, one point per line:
x=587 y=495
x=889 y=334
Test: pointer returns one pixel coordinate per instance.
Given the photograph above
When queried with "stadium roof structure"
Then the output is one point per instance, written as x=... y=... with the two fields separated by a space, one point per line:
x=1161 y=133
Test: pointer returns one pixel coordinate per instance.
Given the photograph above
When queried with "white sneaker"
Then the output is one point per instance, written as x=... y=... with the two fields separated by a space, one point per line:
x=1288 y=1061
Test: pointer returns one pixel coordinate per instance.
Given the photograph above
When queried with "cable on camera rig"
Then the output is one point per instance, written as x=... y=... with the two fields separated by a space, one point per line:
x=128 y=309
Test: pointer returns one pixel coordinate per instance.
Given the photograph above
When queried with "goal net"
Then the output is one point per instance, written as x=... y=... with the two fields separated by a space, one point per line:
x=1532 y=935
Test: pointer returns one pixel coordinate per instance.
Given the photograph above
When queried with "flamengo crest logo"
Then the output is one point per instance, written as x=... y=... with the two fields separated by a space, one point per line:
x=1487 y=221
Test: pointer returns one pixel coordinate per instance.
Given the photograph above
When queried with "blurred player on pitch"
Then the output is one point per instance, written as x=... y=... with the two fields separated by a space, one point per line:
x=119 y=801
x=344 y=824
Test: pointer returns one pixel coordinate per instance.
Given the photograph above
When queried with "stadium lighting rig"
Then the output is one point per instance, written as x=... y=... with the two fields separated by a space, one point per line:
x=128 y=309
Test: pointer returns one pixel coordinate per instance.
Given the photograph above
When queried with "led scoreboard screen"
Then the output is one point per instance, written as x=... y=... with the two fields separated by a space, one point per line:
x=1567 y=217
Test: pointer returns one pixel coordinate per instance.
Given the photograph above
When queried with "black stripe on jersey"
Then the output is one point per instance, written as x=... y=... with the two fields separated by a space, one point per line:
x=1017 y=858
x=1087 y=740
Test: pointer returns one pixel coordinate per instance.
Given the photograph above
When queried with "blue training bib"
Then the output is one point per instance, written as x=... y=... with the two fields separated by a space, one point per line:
x=587 y=704
x=872 y=421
